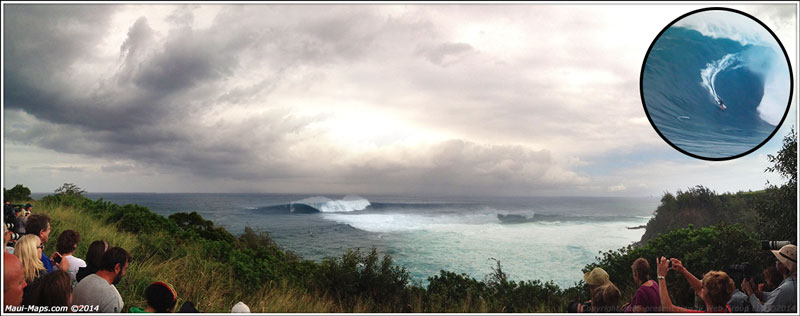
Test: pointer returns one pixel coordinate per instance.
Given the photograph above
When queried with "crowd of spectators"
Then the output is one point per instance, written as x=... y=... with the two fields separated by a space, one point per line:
x=717 y=291
x=31 y=278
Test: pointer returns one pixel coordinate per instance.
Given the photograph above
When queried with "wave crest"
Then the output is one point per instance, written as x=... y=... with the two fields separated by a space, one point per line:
x=709 y=74
x=350 y=203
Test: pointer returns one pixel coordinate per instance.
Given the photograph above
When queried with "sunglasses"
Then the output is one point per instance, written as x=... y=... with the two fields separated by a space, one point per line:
x=40 y=246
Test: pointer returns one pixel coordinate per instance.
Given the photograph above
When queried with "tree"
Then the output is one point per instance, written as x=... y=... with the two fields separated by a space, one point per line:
x=70 y=189
x=777 y=212
x=17 y=193
x=786 y=159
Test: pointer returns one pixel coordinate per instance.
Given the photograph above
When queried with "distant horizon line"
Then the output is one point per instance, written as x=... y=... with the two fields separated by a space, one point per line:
x=391 y=195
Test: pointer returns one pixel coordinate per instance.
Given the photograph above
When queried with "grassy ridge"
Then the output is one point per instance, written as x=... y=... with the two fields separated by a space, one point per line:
x=206 y=282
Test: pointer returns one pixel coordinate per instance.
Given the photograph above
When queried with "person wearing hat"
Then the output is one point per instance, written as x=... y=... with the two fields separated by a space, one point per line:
x=596 y=278
x=784 y=298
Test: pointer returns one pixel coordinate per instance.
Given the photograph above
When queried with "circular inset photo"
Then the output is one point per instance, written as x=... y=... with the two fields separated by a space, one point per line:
x=716 y=84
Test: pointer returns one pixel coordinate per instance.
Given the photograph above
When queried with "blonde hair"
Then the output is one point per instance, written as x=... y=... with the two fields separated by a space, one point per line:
x=26 y=250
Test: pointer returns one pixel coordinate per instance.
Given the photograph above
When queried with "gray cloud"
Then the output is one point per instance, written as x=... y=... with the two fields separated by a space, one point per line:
x=444 y=54
x=247 y=98
x=61 y=169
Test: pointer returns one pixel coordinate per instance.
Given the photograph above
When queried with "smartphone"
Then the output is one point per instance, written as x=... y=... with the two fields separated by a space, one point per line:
x=57 y=258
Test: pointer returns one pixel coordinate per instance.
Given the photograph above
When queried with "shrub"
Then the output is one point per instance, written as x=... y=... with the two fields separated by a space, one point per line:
x=193 y=222
x=18 y=193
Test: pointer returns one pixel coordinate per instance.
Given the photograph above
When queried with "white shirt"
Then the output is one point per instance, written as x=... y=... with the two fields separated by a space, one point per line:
x=74 y=265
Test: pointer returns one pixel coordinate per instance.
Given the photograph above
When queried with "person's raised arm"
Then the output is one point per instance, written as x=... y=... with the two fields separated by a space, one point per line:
x=695 y=283
x=663 y=293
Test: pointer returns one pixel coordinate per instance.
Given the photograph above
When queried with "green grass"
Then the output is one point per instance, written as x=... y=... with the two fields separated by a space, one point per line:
x=207 y=283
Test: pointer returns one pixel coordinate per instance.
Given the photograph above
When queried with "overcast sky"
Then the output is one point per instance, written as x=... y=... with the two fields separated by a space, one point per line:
x=349 y=99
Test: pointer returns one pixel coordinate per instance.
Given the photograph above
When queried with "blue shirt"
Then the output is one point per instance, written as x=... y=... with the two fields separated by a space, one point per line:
x=47 y=264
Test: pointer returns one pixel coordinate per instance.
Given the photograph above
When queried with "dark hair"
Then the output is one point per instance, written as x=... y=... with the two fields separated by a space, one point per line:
x=37 y=223
x=160 y=297
x=114 y=256
x=54 y=289
x=94 y=256
x=68 y=241
x=641 y=268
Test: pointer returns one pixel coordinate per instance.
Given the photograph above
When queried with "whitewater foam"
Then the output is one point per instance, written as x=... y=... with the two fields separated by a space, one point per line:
x=463 y=243
x=709 y=74
x=350 y=203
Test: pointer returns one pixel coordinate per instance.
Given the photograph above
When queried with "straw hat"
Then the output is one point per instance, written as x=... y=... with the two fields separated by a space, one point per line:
x=597 y=276
x=787 y=255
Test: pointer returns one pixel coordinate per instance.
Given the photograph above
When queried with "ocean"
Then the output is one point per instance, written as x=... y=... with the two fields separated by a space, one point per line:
x=545 y=238
x=694 y=65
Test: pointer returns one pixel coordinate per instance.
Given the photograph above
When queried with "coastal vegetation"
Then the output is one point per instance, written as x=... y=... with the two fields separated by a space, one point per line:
x=215 y=269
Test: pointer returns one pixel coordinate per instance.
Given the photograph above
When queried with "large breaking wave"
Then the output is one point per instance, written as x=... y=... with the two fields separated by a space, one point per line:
x=708 y=58
x=762 y=55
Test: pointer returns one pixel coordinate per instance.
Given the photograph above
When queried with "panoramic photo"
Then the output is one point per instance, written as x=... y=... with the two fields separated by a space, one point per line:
x=399 y=158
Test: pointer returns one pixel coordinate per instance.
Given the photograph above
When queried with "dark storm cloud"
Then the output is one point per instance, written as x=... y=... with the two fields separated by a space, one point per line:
x=43 y=39
x=156 y=103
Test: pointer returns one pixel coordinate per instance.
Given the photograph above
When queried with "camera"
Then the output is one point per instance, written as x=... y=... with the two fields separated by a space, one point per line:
x=15 y=236
x=775 y=244
x=10 y=228
x=576 y=307
x=745 y=268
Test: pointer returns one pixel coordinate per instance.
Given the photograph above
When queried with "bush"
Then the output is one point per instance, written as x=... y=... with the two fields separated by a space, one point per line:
x=70 y=189
x=193 y=222
x=138 y=219
x=359 y=275
x=448 y=291
x=18 y=193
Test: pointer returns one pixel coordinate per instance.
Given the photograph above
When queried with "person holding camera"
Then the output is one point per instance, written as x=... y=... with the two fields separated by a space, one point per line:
x=784 y=298
x=66 y=245
x=20 y=219
x=8 y=236
x=715 y=289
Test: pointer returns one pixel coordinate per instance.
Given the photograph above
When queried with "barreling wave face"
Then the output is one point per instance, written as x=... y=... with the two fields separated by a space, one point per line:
x=350 y=203
x=716 y=86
